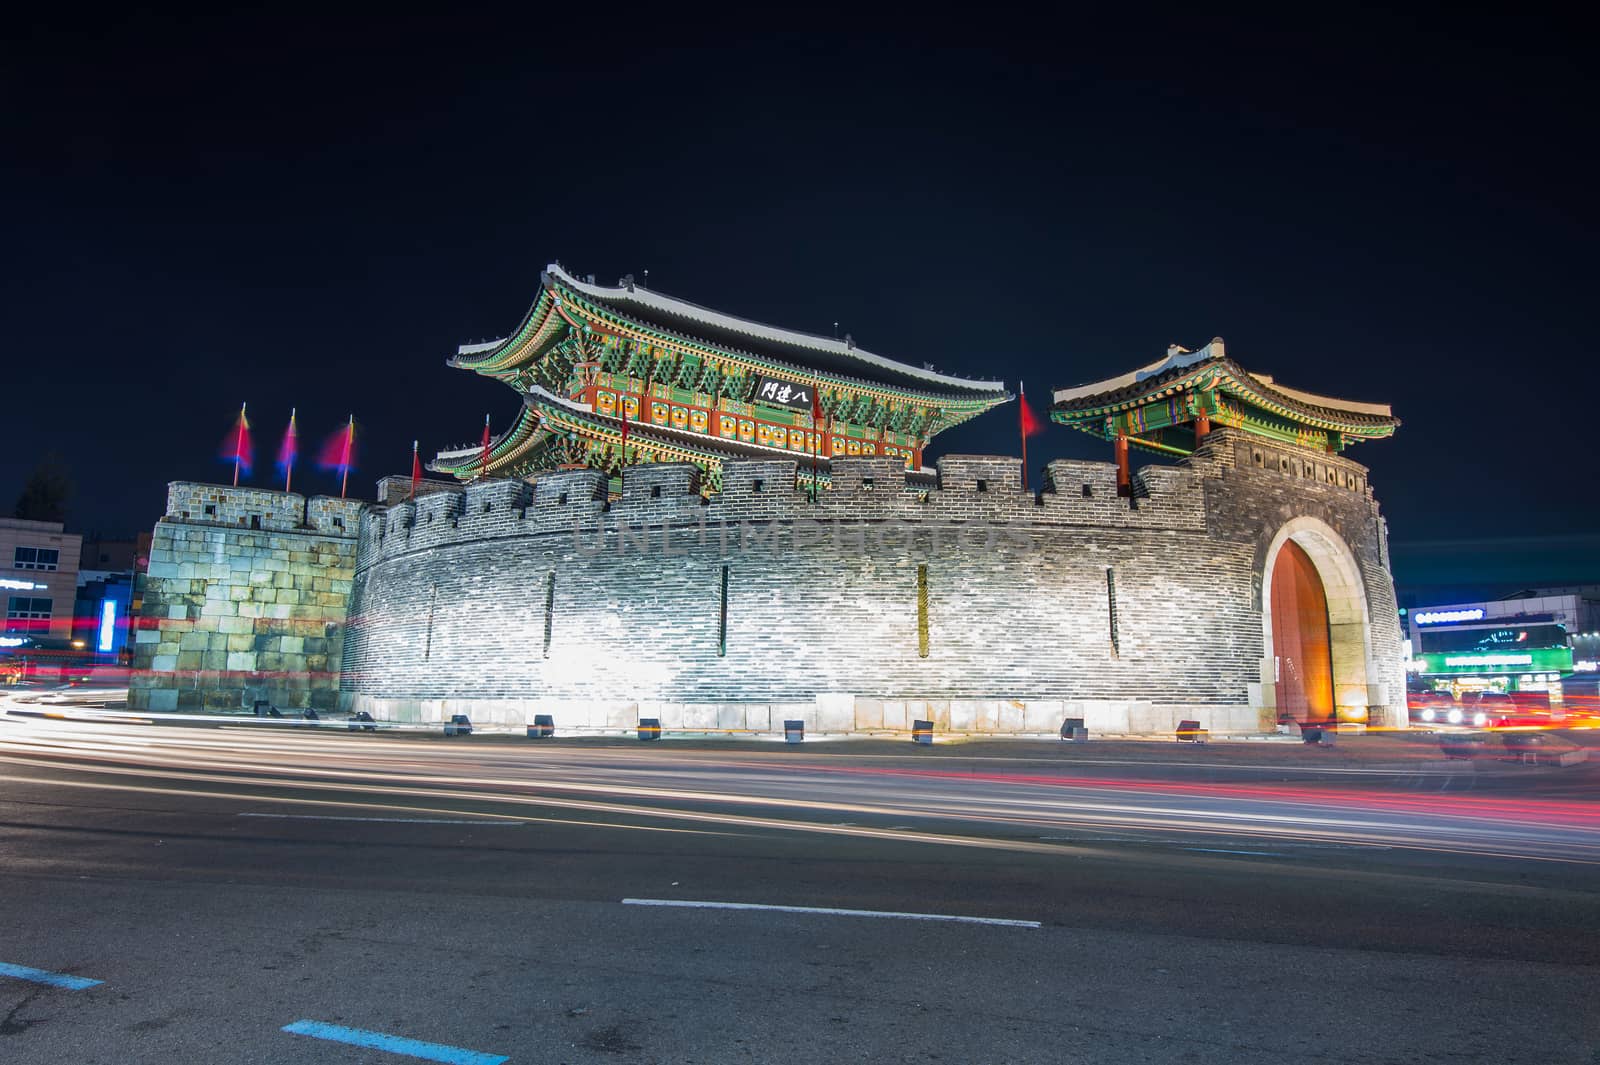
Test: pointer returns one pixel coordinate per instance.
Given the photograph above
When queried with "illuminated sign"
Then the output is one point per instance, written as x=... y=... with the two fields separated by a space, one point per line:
x=1445 y=617
x=1489 y=660
x=12 y=641
x=1534 y=660
x=21 y=586
x=108 y=624
x=1586 y=665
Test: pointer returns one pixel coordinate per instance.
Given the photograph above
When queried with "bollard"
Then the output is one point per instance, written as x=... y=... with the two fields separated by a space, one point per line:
x=543 y=727
x=794 y=731
x=649 y=728
x=458 y=725
x=922 y=732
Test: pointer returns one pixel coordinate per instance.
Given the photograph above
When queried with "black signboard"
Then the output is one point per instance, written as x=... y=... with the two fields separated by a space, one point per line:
x=776 y=393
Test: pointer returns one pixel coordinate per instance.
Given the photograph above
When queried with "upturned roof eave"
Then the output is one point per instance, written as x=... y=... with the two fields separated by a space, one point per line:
x=645 y=298
x=1247 y=386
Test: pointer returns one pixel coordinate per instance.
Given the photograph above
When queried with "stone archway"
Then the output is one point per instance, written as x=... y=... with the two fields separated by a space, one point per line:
x=1348 y=628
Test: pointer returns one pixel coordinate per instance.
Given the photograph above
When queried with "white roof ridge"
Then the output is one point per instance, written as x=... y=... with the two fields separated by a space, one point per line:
x=672 y=304
x=1172 y=361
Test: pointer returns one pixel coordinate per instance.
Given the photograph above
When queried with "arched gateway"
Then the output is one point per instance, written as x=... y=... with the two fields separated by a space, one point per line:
x=1316 y=625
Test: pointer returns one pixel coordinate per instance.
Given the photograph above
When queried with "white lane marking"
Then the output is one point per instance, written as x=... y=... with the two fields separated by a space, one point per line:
x=385 y=820
x=830 y=911
x=1224 y=850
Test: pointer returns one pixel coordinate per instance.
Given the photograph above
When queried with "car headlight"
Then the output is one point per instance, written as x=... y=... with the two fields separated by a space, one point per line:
x=1455 y=717
x=1480 y=719
x=1427 y=715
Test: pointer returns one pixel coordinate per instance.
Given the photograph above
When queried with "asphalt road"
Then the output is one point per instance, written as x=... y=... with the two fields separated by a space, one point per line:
x=222 y=884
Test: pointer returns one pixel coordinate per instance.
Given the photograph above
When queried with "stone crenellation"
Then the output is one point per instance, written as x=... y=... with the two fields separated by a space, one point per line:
x=968 y=489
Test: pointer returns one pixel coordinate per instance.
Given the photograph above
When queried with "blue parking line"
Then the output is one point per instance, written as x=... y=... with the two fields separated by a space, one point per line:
x=40 y=976
x=394 y=1044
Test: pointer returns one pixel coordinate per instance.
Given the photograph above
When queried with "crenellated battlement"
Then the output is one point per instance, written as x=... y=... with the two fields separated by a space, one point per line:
x=967 y=489
x=237 y=507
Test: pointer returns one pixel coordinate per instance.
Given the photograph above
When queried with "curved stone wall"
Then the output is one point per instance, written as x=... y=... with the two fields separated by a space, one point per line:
x=505 y=600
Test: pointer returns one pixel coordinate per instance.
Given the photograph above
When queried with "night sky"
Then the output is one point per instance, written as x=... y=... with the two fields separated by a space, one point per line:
x=314 y=213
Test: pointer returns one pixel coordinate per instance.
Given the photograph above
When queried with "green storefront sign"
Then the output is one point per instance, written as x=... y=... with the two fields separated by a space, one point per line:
x=1537 y=660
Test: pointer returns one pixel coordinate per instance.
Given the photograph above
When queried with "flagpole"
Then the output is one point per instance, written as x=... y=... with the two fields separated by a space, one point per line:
x=415 y=468
x=288 y=466
x=238 y=445
x=349 y=440
x=1022 y=425
x=483 y=464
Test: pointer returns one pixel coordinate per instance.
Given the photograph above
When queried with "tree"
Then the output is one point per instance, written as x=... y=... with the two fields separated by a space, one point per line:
x=47 y=491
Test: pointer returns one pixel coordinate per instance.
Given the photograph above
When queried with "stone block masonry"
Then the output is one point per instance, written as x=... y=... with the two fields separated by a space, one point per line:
x=245 y=598
x=963 y=600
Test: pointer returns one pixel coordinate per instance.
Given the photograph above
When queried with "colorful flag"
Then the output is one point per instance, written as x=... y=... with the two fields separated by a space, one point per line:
x=236 y=448
x=288 y=450
x=339 y=453
x=416 y=469
x=483 y=465
x=623 y=403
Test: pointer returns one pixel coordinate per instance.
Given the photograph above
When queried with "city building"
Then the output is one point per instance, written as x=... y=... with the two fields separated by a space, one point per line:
x=708 y=582
x=1535 y=641
x=38 y=577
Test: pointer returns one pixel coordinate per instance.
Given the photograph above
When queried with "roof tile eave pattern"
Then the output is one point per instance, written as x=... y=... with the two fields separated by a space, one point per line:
x=644 y=300
x=1248 y=385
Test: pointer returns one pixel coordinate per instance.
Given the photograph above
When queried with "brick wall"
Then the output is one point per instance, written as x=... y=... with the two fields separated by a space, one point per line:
x=454 y=596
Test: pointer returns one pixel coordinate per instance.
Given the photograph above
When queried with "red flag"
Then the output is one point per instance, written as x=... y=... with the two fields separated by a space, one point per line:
x=622 y=401
x=816 y=434
x=483 y=464
x=416 y=469
x=1030 y=424
x=236 y=448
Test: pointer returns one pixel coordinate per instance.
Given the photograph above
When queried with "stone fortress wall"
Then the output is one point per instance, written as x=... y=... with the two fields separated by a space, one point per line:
x=971 y=603
x=244 y=599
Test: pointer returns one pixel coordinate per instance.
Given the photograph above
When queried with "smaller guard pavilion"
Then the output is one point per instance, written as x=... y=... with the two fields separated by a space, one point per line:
x=1170 y=405
x=1320 y=578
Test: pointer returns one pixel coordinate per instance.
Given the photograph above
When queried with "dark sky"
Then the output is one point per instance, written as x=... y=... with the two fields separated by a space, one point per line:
x=315 y=212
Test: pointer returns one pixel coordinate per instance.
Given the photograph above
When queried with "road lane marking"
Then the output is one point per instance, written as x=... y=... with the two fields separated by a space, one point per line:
x=393 y=1044
x=41 y=976
x=385 y=820
x=831 y=912
x=1225 y=850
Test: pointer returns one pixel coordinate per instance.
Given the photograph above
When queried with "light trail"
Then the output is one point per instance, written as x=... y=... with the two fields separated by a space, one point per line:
x=699 y=789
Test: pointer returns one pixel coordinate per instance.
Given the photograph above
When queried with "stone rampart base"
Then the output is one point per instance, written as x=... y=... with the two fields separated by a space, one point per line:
x=827 y=714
